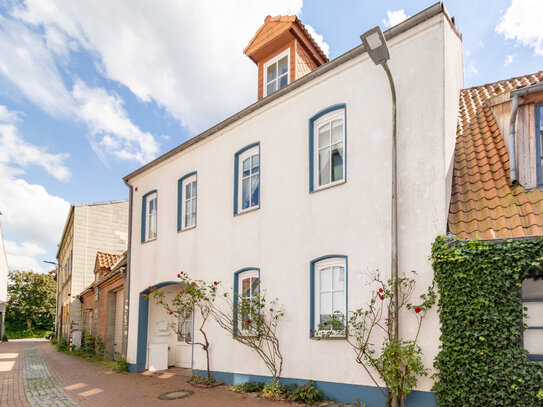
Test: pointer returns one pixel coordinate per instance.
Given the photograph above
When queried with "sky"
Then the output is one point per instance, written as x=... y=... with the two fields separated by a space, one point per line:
x=91 y=91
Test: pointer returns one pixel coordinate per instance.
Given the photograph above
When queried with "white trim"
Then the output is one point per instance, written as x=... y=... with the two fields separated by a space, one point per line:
x=323 y=264
x=194 y=200
x=322 y=121
x=247 y=154
x=273 y=61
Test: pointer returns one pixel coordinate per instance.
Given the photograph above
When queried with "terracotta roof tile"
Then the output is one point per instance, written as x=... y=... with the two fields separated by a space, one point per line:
x=106 y=260
x=483 y=203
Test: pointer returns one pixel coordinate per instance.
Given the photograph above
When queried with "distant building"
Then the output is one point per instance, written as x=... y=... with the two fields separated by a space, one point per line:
x=3 y=284
x=102 y=309
x=89 y=228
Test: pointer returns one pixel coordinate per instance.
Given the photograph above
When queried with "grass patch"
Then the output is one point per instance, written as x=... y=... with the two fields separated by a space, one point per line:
x=27 y=333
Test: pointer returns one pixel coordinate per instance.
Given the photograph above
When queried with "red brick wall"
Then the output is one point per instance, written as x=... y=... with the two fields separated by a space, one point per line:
x=90 y=304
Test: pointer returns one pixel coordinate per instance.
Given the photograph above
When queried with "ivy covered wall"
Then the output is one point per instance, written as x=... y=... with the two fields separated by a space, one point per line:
x=482 y=361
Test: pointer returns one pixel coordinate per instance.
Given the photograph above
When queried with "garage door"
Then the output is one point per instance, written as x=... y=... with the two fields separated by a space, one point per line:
x=118 y=339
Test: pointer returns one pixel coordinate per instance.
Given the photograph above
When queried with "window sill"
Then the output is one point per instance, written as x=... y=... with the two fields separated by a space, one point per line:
x=149 y=240
x=252 y=209
x=331 y=185
x=322 y=336
x=187 y=229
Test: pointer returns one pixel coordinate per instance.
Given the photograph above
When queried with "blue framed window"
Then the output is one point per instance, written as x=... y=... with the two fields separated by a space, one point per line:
x=328 y=280
x=149 y=216
x=246 y=288
x=187 y=194
x=327 y=147
x=532 y=300
x=247 y=179
x=539 y=142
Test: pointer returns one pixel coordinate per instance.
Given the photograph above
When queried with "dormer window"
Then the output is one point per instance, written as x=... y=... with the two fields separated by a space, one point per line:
x=276 y=73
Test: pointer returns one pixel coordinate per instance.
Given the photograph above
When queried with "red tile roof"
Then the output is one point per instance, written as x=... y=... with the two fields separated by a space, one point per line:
x=483 y=202
x=106 y=260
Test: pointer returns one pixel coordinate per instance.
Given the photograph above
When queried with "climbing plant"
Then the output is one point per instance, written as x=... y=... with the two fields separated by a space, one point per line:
x=482 y=360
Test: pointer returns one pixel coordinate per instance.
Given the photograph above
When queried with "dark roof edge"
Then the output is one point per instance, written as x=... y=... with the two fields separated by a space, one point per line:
x=404 y=26
x=495 y=240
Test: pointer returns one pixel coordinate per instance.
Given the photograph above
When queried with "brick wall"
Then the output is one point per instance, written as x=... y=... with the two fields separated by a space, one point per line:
x=102 y=326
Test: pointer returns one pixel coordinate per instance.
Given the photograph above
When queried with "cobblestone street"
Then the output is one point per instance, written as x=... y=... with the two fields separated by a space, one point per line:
x=51 y=378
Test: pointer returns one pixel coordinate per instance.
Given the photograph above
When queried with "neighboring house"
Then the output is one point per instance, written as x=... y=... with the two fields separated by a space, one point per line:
x=297 y=187
x=102 y=303
x=3 y=284
x=490 y=197
x=89 y=228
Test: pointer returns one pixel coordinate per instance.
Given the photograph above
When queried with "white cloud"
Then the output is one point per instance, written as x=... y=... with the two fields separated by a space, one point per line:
x=472 y=69
x=522 y=22
x=508 y=60
x=15 y=153
x=179 y=54
x=394 y=17
x=28 y=210
x=30 y=65
x=110 y=128
x=319 y=39
x=23 y=256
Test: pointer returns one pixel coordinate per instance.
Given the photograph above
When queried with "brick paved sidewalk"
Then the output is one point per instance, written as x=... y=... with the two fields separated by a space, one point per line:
x=11 y=375
x=94 y=385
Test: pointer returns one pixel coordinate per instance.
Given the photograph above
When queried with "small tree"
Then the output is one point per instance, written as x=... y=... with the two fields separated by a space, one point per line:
x=254 y=322
x=398 y=363
x=196 y=295
x=31 y=301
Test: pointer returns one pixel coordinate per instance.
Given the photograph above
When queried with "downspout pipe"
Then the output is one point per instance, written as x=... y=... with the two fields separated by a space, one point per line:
x=128 y=261
x=535 y=88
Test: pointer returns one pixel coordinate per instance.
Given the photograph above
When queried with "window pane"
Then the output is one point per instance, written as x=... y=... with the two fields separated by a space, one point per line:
x=188 y=210
x=532 y=289
x=271 y=72
x=255 y=190
x=339 y=278
x=535 y=313
x=324 y=135
x=246 y=287
x=256 y=163
x=255 y=286
x=337 y=131
x=193 y=188
x=337 y=162
x=245 y=193
x=325 y=302
x=271 y=88
x=325 y=279
x=283 y=65
x=188 y=191
x=338 y=300
x=283 y=81
x=246 y=167
x=533 y=341
x=324 y=166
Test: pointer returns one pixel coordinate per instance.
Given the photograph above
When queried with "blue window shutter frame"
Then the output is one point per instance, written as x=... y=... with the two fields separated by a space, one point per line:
x=312 y=287
x=236 y=294
x=312 y=121
x=143 y=212
x=180 y=198
x=236 y=174
x=538 y=108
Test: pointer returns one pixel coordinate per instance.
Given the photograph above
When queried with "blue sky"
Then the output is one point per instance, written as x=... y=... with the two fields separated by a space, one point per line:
x=89 y=93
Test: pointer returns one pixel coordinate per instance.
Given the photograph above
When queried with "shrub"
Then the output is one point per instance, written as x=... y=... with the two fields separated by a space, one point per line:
x=54 y=340
x=62 y=345
x=306 y=393
x=120 y=365
x=249 y=387
x=99 y=350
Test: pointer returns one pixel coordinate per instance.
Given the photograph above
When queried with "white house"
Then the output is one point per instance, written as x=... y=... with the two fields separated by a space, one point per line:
x=297 y=183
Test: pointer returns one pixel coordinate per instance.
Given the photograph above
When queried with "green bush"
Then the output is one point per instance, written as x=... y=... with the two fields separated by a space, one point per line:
x=87 y=344
x=99 y=348
x=482 y=360
x=54 y=340
x=27 y=333
x=249 y=387
x=120 y=365
x=62 y=345
x=306 y=393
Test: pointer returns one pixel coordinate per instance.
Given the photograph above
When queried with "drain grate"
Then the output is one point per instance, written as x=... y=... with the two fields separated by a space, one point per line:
x=176 y=395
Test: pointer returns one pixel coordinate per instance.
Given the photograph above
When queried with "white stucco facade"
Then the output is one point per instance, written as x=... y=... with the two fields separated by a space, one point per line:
x=293 y=225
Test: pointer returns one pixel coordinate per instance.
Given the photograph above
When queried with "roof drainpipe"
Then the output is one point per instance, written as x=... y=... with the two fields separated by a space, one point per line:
x=512 y=152
x=128 y=256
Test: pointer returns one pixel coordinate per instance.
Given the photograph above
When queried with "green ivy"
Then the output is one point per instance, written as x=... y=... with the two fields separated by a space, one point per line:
x=482 y=361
